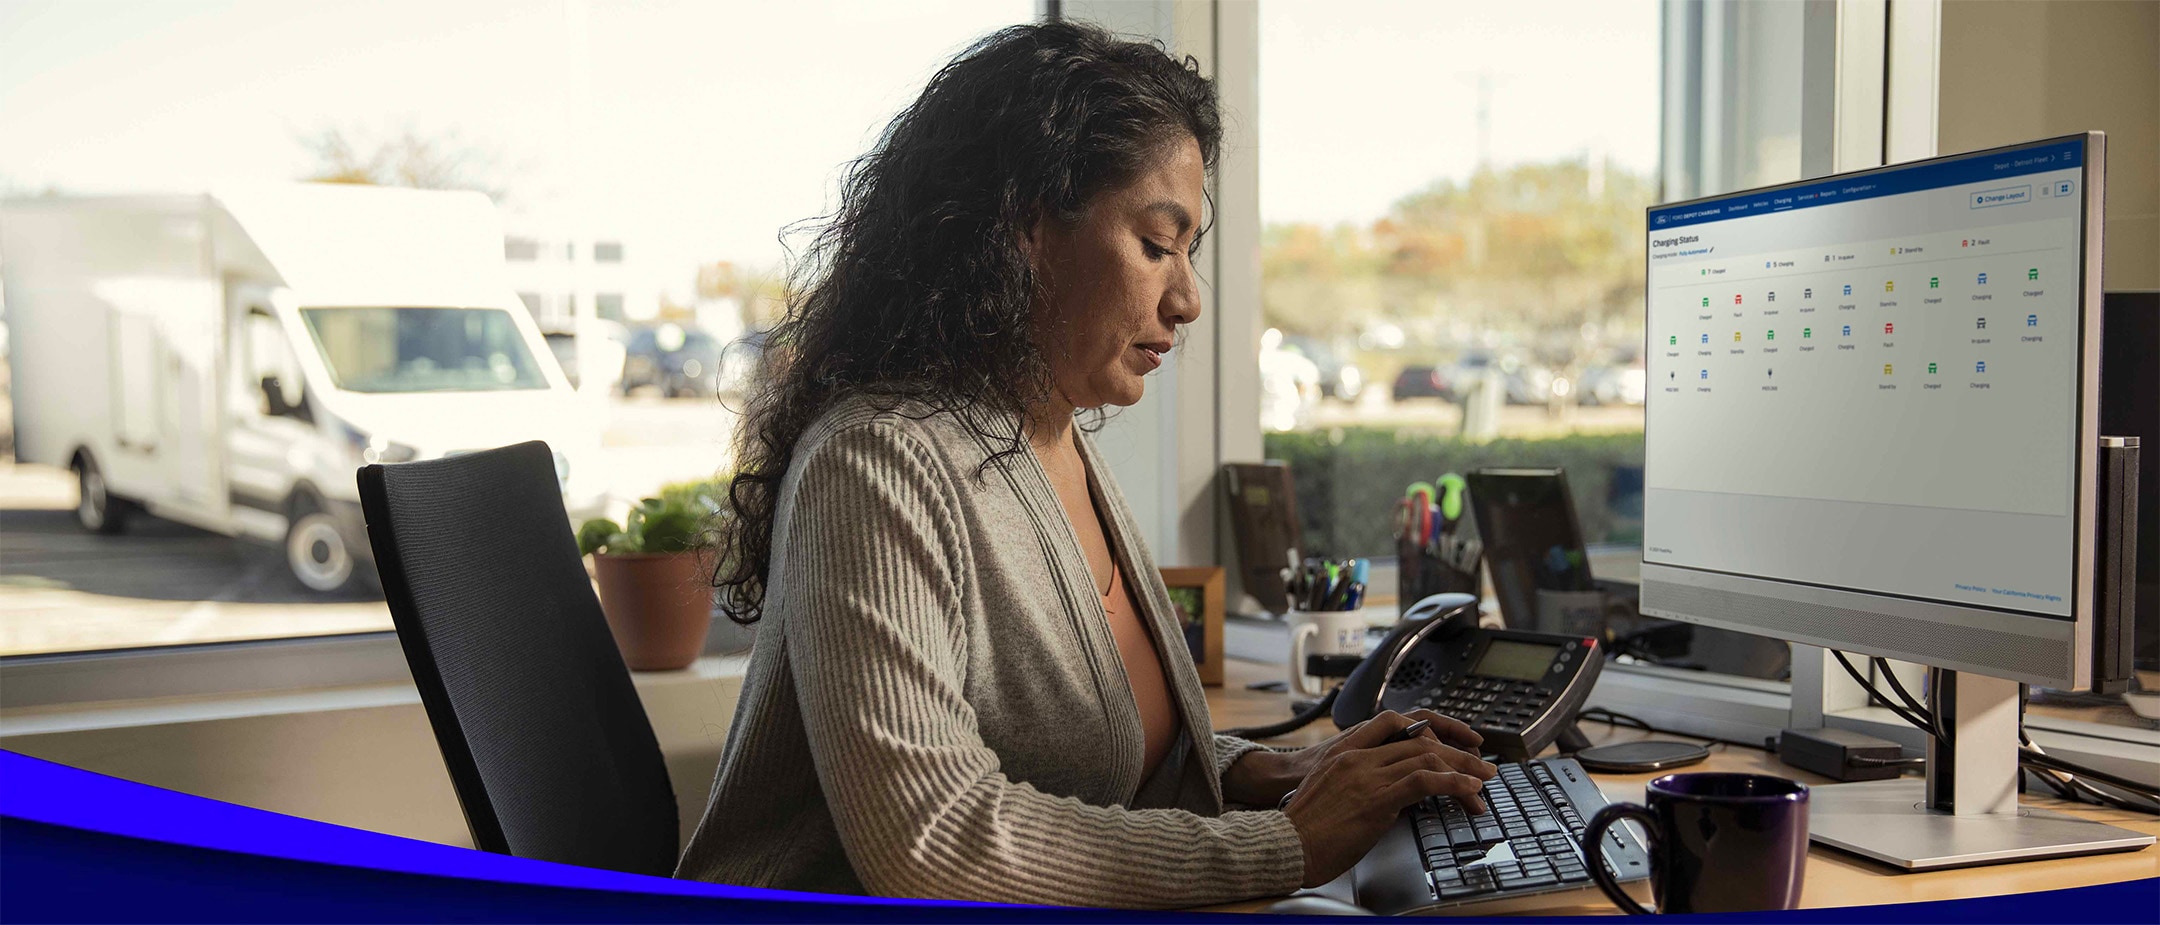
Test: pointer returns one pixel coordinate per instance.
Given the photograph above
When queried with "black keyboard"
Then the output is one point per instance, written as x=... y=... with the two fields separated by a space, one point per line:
x=1528 y=840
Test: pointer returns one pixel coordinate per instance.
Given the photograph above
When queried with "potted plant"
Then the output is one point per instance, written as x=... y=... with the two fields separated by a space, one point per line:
x=654 y=586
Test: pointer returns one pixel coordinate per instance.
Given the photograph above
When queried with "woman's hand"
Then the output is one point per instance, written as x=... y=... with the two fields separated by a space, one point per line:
x=1357 y=785
x=1260 y=778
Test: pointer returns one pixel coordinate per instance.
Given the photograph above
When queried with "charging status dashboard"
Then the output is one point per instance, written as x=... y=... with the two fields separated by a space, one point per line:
x=1871 y=383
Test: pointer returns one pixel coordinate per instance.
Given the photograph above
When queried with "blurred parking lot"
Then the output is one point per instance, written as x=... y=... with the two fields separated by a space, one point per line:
x=162 y=583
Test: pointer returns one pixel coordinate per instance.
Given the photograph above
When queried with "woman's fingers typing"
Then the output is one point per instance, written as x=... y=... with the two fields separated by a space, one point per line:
x=1351 y=798
x=1425 y=782
x=1449 y=729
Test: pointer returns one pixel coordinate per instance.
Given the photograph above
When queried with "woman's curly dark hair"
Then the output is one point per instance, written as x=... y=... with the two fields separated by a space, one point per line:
x=916 y=289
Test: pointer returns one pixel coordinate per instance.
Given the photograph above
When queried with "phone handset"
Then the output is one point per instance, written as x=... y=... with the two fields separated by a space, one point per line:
x=1438 y=616
x=1520 y=690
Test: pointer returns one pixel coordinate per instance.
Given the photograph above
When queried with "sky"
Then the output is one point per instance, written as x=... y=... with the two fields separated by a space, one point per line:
x=711 y=125
x=1365 y=101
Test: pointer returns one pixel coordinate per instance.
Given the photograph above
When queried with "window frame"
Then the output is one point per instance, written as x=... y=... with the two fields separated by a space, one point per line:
x=1868 y=85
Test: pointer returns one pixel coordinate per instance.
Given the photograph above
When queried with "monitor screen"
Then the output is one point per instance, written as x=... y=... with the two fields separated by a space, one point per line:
x=1872 y=383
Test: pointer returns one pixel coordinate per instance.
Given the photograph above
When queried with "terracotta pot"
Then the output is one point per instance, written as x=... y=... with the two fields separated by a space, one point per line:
x=658 y=605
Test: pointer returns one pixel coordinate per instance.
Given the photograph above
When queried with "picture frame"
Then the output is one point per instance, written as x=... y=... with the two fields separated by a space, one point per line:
x=1196 y=599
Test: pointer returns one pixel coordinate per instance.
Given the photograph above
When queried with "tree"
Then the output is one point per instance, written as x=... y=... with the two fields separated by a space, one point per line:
x=402 y=158
x=761 y=293
x=1528 y=253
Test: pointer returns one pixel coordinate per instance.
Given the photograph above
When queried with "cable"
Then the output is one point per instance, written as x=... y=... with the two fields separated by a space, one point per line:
x=1912 y=703
x=2141 y=798
x=1901 y=763
x=2057 y=784
x=1615 y=718
x=1622 y=719
x=2087 y=792
x=1287 y=726
x=1926 y=726
x=2046 y=760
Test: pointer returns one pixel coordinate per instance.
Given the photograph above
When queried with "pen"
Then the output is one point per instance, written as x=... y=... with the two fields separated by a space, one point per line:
x=1409 y=732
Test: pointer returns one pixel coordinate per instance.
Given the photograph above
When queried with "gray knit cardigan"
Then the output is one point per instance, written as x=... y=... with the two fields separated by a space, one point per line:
x=936 y=707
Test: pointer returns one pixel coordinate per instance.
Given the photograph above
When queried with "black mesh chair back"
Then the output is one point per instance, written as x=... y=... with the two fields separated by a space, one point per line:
x=544 y=736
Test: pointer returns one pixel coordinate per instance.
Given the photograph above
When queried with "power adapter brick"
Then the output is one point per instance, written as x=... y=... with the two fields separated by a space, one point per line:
x=1831 y=753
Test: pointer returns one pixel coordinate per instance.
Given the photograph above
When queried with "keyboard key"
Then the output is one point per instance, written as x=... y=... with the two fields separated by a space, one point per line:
x=1545 y=825
x=1488 y=833
x=1460 y=835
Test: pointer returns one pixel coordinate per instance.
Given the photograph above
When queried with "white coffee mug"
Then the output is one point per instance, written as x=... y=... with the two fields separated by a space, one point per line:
x=1334 y=632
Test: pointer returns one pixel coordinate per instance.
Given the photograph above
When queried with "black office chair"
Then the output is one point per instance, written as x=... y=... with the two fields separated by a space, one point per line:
x=545 y=739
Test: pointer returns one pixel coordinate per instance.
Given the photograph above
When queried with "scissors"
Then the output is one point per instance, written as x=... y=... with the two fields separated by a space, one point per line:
x=1452 y=487
x=1418 y=511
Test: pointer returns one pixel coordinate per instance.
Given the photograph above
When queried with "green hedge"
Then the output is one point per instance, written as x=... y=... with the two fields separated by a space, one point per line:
x=1349 y=481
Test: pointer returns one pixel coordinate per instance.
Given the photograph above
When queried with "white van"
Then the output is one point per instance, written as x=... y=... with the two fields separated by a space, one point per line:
x=228 y=360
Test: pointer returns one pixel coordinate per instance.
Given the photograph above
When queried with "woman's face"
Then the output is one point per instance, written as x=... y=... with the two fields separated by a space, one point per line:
x=1118 y=283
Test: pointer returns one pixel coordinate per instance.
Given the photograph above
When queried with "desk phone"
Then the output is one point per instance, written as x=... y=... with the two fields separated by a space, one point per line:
x=1520 y=690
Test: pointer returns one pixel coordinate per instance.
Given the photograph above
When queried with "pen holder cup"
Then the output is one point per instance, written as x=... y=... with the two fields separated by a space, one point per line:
x=1321 y=632
x=1420 y=574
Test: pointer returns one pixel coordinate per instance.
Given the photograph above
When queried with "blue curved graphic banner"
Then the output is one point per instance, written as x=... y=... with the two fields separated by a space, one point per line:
x=82 y=847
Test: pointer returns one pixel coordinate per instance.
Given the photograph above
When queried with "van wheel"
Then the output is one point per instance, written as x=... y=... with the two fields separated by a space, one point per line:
x=315 y=551
x=95 y=507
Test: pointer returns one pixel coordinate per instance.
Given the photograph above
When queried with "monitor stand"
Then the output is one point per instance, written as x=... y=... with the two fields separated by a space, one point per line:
x=1966 y=813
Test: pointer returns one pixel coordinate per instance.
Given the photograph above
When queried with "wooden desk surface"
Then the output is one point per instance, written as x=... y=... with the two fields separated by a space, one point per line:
x=1833 y=878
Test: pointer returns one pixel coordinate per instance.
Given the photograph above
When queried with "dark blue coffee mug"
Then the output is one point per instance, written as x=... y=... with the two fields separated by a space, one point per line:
x=1718 y=843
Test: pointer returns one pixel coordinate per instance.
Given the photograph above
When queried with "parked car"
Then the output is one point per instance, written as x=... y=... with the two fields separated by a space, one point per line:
x=1459 y=377
x=739 y=364
x=1613 y=385
x=1340 y=379
x=1420 y=381
x=227 y=360
x=1527 y=383
x=1289 y=384
x=678 y=361
x=603 y=341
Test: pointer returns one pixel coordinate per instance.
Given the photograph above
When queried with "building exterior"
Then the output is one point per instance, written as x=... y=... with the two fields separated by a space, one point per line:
x=554 y=277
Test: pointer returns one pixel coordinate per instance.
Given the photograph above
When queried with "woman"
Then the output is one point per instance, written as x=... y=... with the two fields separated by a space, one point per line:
x=968 y=684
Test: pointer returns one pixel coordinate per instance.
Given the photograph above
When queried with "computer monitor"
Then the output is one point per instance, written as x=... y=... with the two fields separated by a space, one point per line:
x=2130 y=407
x=1872 y=426
x=1526 y=518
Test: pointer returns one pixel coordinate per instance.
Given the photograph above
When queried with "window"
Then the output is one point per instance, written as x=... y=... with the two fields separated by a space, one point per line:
x=608 y=305
x=398 y=350
x=1462 y=286
x=418 y=104
x=270 y=357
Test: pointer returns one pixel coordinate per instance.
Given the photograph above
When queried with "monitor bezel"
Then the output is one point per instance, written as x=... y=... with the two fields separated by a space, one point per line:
x=2074 y=670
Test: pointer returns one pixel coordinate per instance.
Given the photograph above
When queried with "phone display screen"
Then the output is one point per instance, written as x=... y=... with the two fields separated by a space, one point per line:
x=1517 y=661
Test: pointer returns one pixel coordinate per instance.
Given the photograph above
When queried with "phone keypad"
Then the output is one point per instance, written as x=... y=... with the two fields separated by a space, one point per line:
x=1494 y=703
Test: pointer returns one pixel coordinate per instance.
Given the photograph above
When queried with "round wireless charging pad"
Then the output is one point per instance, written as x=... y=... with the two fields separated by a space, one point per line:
x=1641 y=757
